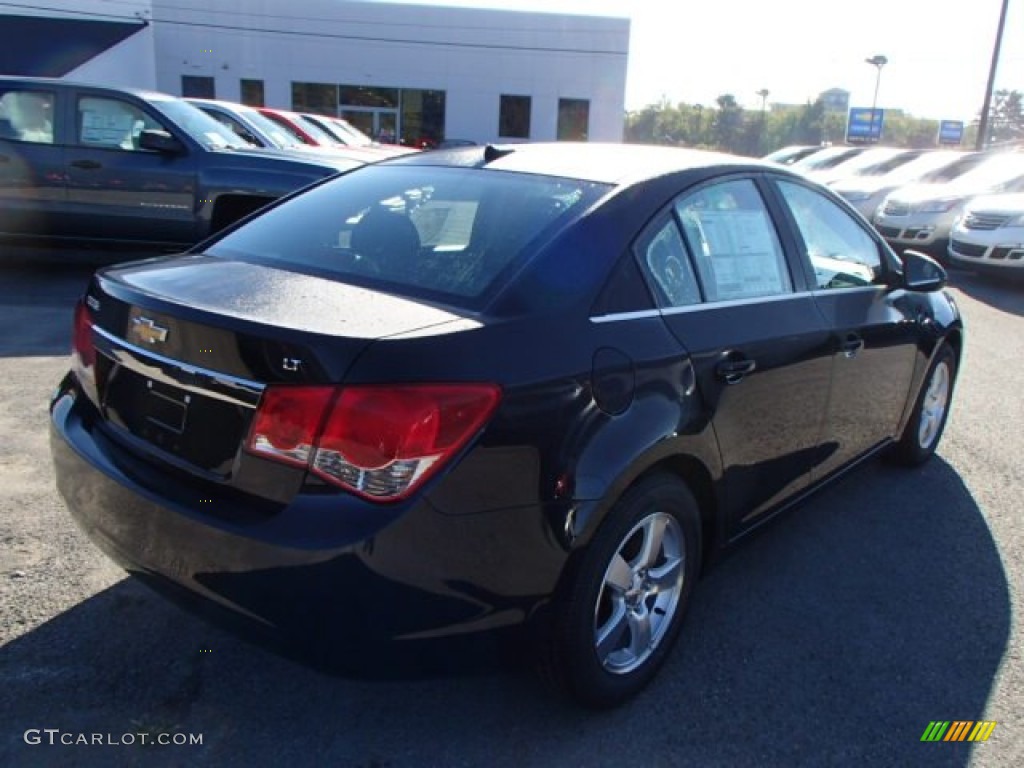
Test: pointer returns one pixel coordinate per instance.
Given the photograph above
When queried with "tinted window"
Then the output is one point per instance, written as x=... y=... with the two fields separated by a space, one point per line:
x=26 y=115
x=842 y=254
x=573 y=119
x=514 y=117
x=734 y=242
x=667 y=266
x=197 y=124
x=252 y=92
x=442 y=232
x=196 y=87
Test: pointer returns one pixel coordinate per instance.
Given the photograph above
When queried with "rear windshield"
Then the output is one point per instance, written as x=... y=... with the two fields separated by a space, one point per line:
x=442 y=233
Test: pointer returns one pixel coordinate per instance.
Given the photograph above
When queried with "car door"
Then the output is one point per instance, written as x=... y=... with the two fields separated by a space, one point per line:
x=759 y=344
x=116 y=189
x=875 y=327
x=32 y=187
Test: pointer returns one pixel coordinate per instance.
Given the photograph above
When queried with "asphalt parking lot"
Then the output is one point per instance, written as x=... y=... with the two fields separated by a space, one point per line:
x=833 y=637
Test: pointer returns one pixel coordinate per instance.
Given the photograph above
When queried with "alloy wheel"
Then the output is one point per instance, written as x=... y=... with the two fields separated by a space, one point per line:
x=933 y=406
x=640 y=593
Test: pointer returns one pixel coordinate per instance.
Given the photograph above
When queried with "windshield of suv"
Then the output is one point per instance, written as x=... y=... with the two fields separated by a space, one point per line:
x=355 y=137
x=826 y=158
x=281 y=138
x=866 y=162
x=323 y=138
x=199 y=125
x=439 y=233
x=924 y=166
x=996 y=174
x=882 y=167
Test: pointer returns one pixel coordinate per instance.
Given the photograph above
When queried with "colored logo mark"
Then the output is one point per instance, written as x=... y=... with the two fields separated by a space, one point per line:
x=958 y=730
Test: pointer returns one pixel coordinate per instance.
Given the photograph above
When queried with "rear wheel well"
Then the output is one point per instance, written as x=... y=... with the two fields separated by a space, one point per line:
x=956 y=341
x=698 y=480
x=230 y=208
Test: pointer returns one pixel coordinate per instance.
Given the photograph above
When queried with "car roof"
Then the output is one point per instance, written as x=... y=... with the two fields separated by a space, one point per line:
x=227 y=106
x=142 y=93
x=597 y=162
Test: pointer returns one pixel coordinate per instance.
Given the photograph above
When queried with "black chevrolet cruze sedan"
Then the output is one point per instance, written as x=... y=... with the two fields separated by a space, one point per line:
x=522 y=389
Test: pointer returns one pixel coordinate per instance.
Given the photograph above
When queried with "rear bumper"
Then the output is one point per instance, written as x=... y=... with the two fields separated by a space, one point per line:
x=324 y=573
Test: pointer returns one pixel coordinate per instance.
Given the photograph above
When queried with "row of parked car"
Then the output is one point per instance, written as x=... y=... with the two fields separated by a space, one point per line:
x=297 y=131
x=964 y=206
x=82 y=163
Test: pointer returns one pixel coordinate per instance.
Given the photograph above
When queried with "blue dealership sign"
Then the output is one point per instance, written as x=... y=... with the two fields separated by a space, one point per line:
x=951 y=132
x=864 y=125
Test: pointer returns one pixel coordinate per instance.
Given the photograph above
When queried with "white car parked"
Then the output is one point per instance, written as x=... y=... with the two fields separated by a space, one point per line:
x=989 y=237
x=921 y=215
x=866 y=193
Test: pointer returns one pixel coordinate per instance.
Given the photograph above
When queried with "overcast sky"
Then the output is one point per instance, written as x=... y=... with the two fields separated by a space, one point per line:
x=938 y=52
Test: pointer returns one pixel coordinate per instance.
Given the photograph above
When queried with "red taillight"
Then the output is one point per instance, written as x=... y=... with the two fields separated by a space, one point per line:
x=286 y=424
x=81 y=342
x=379 y=442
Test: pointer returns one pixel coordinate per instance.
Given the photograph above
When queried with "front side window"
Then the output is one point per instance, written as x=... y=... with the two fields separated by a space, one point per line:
x=733 y=241
x=420 y=231
x=841 y=253
x=111 y=123
x=27 y=115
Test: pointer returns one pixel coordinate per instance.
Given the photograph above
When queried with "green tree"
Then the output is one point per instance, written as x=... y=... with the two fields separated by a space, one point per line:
x=728 y=123
x=1007 y=117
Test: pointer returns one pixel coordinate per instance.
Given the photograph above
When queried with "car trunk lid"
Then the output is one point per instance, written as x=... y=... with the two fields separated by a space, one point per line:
x=185 y=347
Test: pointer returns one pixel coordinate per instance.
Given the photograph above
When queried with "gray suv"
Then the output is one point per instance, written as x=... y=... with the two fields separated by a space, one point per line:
x=82 y=163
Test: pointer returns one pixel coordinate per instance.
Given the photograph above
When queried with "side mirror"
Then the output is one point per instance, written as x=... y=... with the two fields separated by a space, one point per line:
x=160 y=141
x=922 y=273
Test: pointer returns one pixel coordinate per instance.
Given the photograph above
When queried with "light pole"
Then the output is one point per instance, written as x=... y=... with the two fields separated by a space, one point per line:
x=987 y=106
x=763 y=93
x=878 y=61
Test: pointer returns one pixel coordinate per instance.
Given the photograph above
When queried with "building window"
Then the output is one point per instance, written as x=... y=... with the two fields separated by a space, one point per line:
x=197 y=87
x=573 y=119
x=422 y=122
x=514 y=117
x=368 y=96
x=318 y=98
x=252 y=92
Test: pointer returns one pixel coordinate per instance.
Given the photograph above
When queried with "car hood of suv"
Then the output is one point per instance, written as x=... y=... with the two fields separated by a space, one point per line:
x=919 y=193
x=1009 y=205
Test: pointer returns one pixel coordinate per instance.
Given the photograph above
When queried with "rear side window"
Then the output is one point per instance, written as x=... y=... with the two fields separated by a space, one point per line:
x=421 y=231
x=664 y=261
x=733 y=241
x=27 y=115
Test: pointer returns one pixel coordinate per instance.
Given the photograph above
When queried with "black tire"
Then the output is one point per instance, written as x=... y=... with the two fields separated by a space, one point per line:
x=924 y=429
x=659 y=592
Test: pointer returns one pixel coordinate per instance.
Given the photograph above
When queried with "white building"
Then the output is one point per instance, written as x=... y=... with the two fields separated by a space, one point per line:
x=414 y=71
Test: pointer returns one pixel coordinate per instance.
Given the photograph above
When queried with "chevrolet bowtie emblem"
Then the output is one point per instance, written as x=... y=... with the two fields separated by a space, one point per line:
x=146 y=330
